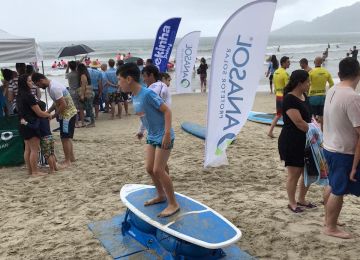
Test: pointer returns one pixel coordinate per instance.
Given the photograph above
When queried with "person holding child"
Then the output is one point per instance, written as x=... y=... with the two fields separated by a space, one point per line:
x=30 y=111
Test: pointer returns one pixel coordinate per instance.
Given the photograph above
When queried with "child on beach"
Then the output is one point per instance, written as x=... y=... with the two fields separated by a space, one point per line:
x=46 y=138
x=156 y=117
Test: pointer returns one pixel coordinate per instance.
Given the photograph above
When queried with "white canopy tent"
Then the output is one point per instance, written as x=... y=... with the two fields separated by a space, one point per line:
x=18 y=49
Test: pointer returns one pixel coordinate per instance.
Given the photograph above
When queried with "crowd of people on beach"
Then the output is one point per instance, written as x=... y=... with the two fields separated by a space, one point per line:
x=309 y=95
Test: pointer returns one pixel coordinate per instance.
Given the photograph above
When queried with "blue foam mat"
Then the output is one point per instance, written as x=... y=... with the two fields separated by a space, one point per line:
x=108 y=232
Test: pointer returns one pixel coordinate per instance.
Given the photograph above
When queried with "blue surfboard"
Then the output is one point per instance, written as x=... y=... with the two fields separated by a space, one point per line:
x=194 y=129
x=194 y=223
x=264 y=118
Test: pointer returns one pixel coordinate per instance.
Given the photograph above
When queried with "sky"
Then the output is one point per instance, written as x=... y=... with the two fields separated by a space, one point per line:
x=67 y=20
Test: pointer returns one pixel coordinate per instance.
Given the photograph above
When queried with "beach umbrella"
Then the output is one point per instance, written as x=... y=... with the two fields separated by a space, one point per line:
x=132 y=59
x=74 y=50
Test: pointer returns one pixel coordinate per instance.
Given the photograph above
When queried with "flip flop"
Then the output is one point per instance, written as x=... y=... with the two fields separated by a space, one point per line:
x=169 y=215
x=309 y=205
x=296 y=210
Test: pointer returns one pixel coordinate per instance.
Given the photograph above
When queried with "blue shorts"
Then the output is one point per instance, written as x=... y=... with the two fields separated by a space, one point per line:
x=317 y=105
x=339 y=171
x=157 y=144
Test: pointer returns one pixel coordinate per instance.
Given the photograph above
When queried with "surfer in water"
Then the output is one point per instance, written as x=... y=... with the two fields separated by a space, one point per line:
x=156 y=117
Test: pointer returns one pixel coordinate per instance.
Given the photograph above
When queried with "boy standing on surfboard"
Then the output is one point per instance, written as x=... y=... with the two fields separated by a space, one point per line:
x=156 y=117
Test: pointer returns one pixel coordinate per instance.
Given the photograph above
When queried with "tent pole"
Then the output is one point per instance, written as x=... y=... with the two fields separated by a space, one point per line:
x=46 y=99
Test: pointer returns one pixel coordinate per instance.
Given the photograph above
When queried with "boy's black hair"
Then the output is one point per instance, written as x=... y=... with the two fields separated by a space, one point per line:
x=29 y=69
x=111 y=63
x=129 y=69
x=20 y=68
x=349 y=68
x=152 y=69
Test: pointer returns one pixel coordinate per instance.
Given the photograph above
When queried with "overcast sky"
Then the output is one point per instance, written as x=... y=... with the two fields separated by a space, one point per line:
x=56 y=20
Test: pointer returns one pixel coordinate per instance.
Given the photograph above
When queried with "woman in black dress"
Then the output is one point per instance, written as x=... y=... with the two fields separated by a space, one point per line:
x=29 y=110
x=296 y=115
x=202 y=71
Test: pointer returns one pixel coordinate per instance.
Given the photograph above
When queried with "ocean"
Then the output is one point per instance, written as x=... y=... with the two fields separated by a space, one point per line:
x=296 y=47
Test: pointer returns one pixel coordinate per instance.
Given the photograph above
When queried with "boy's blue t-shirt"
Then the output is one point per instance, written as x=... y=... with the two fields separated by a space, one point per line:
x=146 y=105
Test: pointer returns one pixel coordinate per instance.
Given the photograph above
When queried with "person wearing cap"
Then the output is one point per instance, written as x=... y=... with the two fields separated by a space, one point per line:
x=96 y=78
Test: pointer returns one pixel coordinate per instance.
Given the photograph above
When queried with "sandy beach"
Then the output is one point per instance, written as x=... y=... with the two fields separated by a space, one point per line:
x=47 y=217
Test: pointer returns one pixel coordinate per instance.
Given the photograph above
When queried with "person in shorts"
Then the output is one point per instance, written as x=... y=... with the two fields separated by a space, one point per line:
x=156 y=117
x=342 y=144
x=281 y=78
x=66 y=111
x=46 y=138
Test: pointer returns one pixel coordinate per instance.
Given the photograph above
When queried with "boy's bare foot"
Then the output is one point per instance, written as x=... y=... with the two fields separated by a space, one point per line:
x=169 y=211
x=155 y=200
x=38 y=174
x=90 y=125
x=337 y=233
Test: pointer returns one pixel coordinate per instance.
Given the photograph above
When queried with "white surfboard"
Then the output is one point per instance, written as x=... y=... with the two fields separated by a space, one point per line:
x=195 y=222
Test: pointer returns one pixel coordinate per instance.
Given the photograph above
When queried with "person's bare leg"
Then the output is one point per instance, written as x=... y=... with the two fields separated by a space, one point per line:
x=302 y=190
x=112 y=110
x=149 y=164
x=67 y=147
x=291 y=183
x=167 y=169
x=272 y=126
x=82 y=116
x=34 y=155
x=161 y=158
x=96 y=111
x=52 y=164
x=333 y=208
x=72 y=156
x=119 y=110
x=27 y=156
x=126 y=107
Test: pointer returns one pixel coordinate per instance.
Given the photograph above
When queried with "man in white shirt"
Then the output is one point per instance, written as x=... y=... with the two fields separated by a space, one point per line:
x=342 y=144
x=66 y=110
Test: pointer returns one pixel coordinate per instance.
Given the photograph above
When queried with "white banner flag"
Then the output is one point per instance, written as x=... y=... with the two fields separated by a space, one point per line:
x=236 y=68
x=185 y=60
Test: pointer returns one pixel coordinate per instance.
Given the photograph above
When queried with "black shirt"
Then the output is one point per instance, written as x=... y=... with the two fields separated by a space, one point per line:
x=24 y=102
x=293 y=102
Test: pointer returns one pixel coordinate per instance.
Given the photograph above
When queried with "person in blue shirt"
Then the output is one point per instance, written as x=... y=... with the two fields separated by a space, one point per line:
x=156 y=117
x=96 y=78
x=103 y=98
x=114 y=95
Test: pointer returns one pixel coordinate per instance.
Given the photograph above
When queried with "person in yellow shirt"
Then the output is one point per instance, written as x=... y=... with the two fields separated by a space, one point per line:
x=319 y=76
x=281 y=78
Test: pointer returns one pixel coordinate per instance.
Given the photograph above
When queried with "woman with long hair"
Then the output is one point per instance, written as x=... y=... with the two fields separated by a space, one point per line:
x=86 y=94
x=202 y=71
x=296 y=114
x=273 y=65
x=29 y=110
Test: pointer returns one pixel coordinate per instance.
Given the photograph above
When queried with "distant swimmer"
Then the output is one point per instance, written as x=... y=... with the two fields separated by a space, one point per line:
x=278 y=48
x=304 y=64
x=325 y=54
x=328 y=45
x=354 y=52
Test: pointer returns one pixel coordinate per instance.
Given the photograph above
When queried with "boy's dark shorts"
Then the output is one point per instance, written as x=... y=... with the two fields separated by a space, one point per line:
x=157 y=144
x=67 y=127
x=340 y=166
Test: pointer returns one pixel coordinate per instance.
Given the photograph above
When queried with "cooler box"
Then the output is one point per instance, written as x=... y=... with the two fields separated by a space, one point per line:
x=11 y=143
